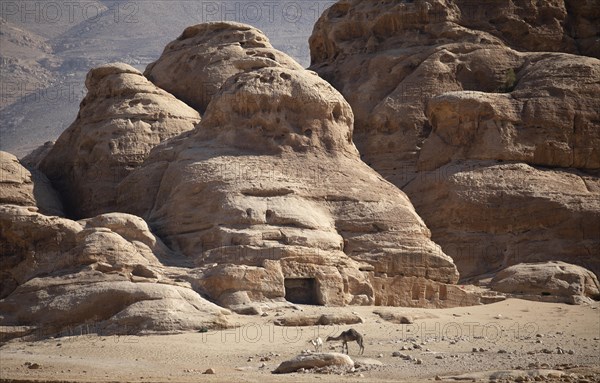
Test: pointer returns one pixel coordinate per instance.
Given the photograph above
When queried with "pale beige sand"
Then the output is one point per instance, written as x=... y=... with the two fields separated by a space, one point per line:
x=511 y=325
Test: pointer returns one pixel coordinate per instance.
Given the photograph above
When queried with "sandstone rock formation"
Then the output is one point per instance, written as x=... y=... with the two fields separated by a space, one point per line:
x=266 y=200
x=106 y=272
x=24 y=187
x=268 y=168
x=17 y=187
x=553 y=26
x=445 y=93
x=551 y=281
x=527 y=124
x=197 y=63
x=525 y=214
x=121 y=118
x=389 y=79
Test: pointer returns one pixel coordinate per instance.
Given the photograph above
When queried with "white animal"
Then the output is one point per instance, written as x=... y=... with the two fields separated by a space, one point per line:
x=317 y=343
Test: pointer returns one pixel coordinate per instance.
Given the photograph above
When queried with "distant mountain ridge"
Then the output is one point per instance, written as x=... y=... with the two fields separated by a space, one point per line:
x=43 y=77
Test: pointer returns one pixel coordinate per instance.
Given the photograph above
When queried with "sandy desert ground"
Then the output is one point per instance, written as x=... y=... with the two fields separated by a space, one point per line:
x=557 y=341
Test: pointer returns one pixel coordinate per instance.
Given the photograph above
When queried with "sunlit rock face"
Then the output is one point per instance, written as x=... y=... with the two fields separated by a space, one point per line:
x=195 y=65
x=269 y=196
x=121 y=118
x=486 y=115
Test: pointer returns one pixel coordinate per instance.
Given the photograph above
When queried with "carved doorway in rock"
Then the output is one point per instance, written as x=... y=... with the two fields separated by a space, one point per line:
x=301 y=291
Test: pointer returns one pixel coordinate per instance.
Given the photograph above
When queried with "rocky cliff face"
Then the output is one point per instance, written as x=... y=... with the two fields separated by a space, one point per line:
x=263 y=202
x=445 y=94
x=267 y=200
x=286 y=199
x=108 y=272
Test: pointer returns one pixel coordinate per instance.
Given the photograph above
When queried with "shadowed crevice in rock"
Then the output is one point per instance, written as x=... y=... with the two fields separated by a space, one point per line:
x=121 y=118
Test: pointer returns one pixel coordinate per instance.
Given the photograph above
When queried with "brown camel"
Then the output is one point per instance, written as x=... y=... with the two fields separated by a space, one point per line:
x=349 y=336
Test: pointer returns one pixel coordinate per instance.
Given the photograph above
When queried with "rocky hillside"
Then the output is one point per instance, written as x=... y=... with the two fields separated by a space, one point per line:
x=248 y=207
x=228 y=177
x=486 y=115
x=26 y=57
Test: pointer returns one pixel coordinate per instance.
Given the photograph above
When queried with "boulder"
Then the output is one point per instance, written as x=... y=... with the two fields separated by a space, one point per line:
x=395 y=318
x=319 y=320
x=366 y=363
x=195 y=65
x=549 y=281
x=121 y=118
x=107 y=273
x=311 y=361
x=109 y=305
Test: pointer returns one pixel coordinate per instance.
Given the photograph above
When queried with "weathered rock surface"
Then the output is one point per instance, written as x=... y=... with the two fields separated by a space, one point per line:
x=266 y=167
x=366 y=363
x=121 y=118
x=106 y=272
x=443 y=92
x=311 y=361
x=525 y=214
x=24 y=187
x=267 y=199
x=390 y=65
x=551 y=26
x=17 y=188
x=548 y=119
x=551 y=281
x=195 y=65
x=113 y=305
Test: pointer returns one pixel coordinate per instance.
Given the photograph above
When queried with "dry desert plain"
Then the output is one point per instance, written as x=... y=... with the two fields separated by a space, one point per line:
x=512 y=340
